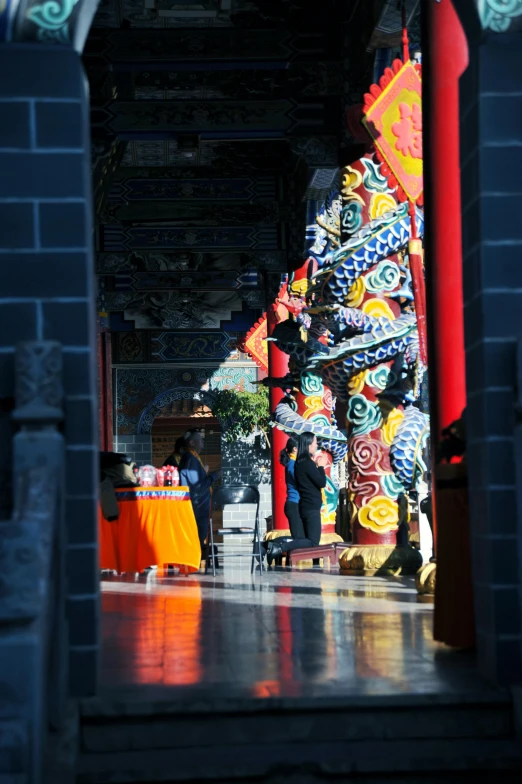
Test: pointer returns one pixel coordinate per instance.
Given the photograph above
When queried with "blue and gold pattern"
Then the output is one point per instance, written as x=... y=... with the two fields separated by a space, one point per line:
x=155 y=494
x=360 y=342
x=406 y=451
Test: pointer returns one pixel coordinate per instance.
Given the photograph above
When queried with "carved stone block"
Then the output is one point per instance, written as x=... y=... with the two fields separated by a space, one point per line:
x=20 y=592
x=39 y=390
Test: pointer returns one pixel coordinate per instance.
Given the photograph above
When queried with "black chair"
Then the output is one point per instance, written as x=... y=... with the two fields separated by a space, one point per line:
x=235 y=494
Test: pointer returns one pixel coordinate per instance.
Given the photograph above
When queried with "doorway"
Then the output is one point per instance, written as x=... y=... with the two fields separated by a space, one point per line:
x=167 y=429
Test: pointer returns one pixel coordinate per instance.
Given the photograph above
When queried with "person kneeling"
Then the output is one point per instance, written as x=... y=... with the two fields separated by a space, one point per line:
x=310 y=480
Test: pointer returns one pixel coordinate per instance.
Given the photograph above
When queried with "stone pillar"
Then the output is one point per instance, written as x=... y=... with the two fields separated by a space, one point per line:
x=491 y=161
x=48 y=291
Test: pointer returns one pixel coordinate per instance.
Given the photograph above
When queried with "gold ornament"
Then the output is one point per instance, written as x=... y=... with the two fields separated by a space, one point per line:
x=356 y=294
x=313 y=404
x=328 y=518
x=377 y=308
x=391 y=425
x=299 y=287
x=356 y=383
x=380 y=515
x=351 y=180
x=425 y=580
x=271 y=535
x=381 y=203
x=325 y=538
x=379 y=559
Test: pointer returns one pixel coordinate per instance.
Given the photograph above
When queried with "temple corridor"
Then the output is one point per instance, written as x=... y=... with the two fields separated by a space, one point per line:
x=229 y=224
x=298 y=633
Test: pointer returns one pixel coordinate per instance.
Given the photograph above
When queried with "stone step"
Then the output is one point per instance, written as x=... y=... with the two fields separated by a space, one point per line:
x=239 y=740
x=334 y=761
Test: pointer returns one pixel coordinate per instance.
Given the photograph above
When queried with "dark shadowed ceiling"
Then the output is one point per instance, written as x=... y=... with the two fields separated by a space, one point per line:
x=209 y=119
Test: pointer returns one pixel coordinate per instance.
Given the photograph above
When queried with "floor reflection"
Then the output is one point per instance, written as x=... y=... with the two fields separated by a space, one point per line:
x=289 y=633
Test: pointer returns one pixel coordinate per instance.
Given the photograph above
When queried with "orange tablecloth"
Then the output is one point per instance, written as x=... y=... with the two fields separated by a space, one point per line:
x=156 y=526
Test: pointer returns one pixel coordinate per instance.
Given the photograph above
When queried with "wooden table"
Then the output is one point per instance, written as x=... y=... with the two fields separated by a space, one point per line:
x=156 y=527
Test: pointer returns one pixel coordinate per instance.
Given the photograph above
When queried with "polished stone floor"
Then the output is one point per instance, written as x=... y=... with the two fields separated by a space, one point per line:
x=286 y=634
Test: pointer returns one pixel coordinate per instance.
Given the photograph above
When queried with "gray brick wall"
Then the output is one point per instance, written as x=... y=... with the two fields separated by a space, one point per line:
x=139 y=448
x=491 y=162
x=47 y=289
x=247 y=462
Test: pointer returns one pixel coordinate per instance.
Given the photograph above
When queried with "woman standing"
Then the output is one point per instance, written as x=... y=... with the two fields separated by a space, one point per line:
x=288 y=457
x=310 y=480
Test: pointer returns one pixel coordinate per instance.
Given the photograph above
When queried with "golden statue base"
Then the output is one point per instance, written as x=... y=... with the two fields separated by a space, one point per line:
x=425 y=581
x=271 y=535
x=380 y=560
x=325 y=538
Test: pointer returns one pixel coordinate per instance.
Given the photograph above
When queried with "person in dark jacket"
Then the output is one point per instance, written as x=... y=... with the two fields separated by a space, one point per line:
x=288 y=457
x=174 y=459
x=310 y=480
x=194 y=475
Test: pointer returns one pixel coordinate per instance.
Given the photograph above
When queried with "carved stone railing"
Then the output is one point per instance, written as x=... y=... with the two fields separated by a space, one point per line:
x=33 y=628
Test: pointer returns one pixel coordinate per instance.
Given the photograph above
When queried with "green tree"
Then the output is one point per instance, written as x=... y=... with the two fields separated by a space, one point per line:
x=242 y=413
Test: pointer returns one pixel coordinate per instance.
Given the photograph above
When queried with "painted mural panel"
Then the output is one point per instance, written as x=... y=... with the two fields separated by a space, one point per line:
x=175 y=309
x=180 y=347
x=230 y=156
x=152 y=45
x=137 y=346
x=183 y=189
x=138 y=390
x=227 y=280
x=158 y=153
x=183 y=214
x=118 y=238
x=189 y=260
x=130 y=116
x=299 y=79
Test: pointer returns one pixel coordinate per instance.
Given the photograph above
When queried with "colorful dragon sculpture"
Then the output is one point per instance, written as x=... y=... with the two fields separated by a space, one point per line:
x=351 y=334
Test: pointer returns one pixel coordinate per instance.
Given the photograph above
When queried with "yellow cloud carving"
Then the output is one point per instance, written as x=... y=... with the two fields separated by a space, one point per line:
x=377 y=308
x=356 y=294
x=380 y=515
x=356 y=383
x=313 y=404
x=299 y=287
x=391 y=425
x=381 y=203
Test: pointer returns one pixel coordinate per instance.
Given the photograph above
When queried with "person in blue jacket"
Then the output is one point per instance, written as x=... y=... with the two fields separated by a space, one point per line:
x=287 y=457
x=194 y=475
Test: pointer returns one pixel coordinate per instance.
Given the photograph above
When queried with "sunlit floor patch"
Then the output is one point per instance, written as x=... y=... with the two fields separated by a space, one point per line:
x=287 y=633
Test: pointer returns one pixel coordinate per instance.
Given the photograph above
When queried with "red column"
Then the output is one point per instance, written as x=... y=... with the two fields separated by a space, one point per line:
x=448 y=59
x=277 y=367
